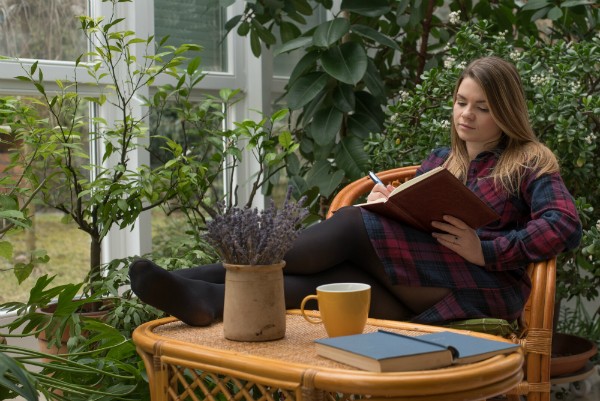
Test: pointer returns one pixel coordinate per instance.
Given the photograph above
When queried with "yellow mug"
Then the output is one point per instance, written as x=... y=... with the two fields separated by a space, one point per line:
x=343 y=307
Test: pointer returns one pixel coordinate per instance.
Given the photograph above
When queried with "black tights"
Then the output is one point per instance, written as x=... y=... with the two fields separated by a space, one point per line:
x=335 y=250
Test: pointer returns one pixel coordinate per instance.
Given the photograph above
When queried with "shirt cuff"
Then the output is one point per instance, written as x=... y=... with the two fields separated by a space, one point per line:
x=489 y=253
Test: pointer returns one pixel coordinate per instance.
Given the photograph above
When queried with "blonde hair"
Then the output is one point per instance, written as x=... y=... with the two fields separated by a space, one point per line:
x=502 y=86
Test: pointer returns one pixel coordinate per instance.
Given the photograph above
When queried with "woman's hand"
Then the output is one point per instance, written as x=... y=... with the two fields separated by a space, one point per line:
x=380 y=192
x=460 y=238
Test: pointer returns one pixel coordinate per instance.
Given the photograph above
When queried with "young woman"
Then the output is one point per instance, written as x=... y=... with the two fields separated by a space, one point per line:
x=456 y=272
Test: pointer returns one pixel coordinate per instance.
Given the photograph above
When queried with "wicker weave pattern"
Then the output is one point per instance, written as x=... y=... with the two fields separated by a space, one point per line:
x=190 y=363
x=537 y=319
x=191 y=384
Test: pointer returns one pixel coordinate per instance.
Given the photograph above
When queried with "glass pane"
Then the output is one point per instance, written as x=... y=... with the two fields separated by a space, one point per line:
x=42 y=29
x=284 y=63
x=66 y=245
x=194 y=21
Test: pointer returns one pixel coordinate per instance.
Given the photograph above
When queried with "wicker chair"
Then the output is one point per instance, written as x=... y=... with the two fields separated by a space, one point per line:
x=535 y=333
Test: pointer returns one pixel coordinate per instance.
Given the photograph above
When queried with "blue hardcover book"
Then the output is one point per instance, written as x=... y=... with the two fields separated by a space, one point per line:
x=385 y=351
x=470 y=349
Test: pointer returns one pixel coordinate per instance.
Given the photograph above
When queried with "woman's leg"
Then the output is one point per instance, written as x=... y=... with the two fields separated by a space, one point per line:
x=335 y=250
x=198 y=302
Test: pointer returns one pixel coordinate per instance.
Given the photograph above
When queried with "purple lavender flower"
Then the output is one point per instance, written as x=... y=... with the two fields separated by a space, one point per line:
x=249 y=237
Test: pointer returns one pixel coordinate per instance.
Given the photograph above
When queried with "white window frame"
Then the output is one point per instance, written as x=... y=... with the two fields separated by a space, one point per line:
x=253 y=76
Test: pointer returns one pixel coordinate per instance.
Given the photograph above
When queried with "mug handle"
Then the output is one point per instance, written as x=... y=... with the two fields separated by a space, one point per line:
x=309 y=319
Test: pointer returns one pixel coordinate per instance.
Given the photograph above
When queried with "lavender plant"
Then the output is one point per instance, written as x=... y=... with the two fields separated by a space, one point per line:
x=246 y=236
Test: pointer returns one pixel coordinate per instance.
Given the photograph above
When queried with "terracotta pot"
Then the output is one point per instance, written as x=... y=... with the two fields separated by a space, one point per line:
x=96 y=314
x=254 y=308
x=570 y=354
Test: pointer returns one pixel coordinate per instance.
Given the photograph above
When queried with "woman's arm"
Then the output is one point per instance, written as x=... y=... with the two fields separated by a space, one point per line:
x=554 y=226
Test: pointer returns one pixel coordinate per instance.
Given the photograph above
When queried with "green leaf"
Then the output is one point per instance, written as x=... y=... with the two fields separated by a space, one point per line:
x=330 y=32
x=555 y=13
x=536 y=4
x=288 y=31
x=374 y=82
x=325 y=125
x=575 y=3
x=255 y=43
x=367 y=104
x=23 y=271
x=6 y=250
x=264 y=34
x=320 y=176
x=343 y=98
x=370 y=8
x=346 y=63
x=351 y=157
x=193 y=65
x=305 y=89
x=362 y=125
x=229 y=25
x=306 y=63
x=374 y=35
x=23 y=384
x=292 y=45
x=244 y=28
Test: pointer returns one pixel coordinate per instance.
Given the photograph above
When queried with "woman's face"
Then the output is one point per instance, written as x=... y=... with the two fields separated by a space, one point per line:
x=473 y=120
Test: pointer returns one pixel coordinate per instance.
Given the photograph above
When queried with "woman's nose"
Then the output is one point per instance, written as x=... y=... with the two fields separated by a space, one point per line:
x=467 y=113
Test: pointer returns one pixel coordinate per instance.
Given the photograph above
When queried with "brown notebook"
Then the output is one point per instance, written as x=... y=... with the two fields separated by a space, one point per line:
x=431 y=195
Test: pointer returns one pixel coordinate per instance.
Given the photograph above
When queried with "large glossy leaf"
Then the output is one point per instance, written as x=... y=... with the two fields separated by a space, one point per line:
x=306 y=63
x=369 y=8
x=292 y=45
x=368 y=104
x=320 y=176
x=330 y=32
x=346 y=63
x=351 y=157
x=326 y=124
x=305 y=89
x=288 y=31
x=374 y=35
x=343 y=98
x=362 y=125
x=374 y=82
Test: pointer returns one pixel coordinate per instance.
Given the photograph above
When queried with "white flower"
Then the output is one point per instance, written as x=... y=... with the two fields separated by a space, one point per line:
x=515 y=55
x=449 y=62
x=454 y=17
x=589 y=139
x=539 y=80
x=598 y=224
x=403 y=95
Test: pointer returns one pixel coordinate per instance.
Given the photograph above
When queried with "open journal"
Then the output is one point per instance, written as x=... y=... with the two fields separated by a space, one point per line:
x=385 y=351
x=428 y=197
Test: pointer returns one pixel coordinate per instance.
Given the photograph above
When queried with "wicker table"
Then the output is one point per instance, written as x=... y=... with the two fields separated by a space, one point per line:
x=194 y=363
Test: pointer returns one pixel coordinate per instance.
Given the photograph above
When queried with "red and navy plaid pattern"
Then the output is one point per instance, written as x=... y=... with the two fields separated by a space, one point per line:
x=536 y=225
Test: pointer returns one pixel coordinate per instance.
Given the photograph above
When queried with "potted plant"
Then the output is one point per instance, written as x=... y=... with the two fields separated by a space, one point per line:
x=251 y=245
x=53 y=134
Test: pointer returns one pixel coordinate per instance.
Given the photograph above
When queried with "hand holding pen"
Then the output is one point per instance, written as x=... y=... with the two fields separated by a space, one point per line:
x=379 y=191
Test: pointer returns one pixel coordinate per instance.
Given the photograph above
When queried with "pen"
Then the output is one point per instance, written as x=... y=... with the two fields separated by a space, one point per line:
x=375 y=179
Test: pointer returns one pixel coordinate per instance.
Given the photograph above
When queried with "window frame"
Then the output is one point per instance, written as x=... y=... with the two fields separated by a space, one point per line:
x=253 y=76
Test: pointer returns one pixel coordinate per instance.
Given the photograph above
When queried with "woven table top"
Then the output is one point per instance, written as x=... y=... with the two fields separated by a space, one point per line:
x=296 y=347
